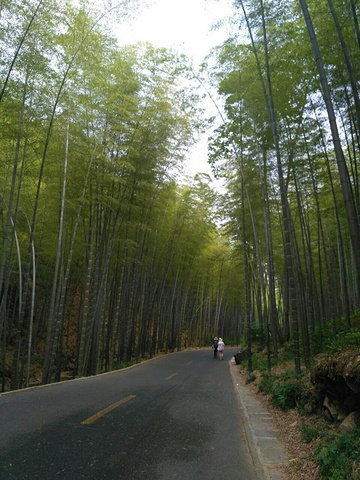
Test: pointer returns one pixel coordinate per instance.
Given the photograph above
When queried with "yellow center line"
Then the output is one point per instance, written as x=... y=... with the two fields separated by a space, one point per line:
x=106 y=410
x=171 y=376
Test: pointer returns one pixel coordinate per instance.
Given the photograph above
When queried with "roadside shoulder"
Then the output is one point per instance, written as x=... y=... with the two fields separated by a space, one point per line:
x=268 y=453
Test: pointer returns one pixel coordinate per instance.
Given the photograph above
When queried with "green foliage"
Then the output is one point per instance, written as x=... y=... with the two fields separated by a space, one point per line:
x=259 y=361
x=338 y=454
x=266 y=384
x=124 y=365
x=284 y=395
x=284 y=389
x=333 y=335
x=124 y=120
x=340 y=341
x=308 y=432
x=311 y=432
x=344 y=340
x=288 y=352
x=258 y=335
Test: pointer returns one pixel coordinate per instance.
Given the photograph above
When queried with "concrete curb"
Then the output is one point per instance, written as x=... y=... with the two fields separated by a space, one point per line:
x=267 y=452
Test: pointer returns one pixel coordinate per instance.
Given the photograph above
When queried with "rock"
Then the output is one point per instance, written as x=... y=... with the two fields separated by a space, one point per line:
x=338 y=369
x=337 y=376
x=310 y=399
x=241 y=355
x=352 y=401
x=330 y=410
x=354 y=387
x=349 y=423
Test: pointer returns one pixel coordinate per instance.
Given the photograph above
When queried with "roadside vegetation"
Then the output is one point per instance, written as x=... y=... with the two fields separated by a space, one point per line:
x=335 y=449
x=110 y=254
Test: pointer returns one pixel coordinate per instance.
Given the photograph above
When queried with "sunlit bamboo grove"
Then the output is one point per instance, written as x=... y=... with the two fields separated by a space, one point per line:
x=290 y=148
x=107 y=254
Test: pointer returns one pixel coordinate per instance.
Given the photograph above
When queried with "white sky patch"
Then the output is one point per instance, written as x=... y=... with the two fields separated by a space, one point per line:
x=187 y=27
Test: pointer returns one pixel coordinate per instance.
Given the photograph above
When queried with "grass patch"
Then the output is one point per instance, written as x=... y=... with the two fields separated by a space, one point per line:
x=284 y=389
x=338 y=456
x=313 y=431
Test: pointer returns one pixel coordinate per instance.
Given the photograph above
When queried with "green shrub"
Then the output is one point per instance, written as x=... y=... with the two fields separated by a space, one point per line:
x=284 y=394
x=325 y=339
x=310 y=432
x=258 y=336
x=259 y=362
x=120 y=366
x=284 y=389
x=266 y=384
x=344 y=340
x=337 y=457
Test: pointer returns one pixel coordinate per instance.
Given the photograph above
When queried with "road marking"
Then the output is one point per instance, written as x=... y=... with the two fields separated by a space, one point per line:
x=189 y=363
x=106 y=410
x=171 y=376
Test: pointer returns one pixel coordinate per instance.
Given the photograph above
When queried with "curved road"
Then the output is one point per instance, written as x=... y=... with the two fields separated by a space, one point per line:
x=174 y=417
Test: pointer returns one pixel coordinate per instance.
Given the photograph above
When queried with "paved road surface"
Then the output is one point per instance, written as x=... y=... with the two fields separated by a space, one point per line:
x=174 y=417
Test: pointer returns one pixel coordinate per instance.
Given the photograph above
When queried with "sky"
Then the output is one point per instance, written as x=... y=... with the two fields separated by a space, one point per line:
x=185 y=26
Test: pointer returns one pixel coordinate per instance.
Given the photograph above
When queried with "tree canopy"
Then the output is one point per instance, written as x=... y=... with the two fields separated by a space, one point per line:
x=107 y=255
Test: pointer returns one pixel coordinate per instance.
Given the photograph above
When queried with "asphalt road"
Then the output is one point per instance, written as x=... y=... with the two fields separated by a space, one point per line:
x=173 y=417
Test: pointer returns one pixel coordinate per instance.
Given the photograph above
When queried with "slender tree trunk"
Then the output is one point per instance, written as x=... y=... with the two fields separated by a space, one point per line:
x=53 y=333
x=342 y=168
x=353 y=150
x=307 y=318
x=348 y=63
x=339 y=236
x=247 y=287
x=355 y=21
x=6 y=256
x=270 y=264
x=31 y=319
x=287 y=220
x=84 y=330
x=19 y=48
x=286 y=215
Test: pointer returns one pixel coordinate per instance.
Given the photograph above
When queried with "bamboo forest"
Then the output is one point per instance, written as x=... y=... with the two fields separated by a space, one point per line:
x=109 y=254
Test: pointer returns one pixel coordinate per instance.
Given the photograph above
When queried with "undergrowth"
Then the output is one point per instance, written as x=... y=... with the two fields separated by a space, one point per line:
x=284 y=389
x=337 y=455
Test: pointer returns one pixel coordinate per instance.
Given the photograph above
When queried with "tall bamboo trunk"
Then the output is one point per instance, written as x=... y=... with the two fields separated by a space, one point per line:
x=274 y=321
x=286 y=213
x=53 y=333
x=351 y=213
x=7 y=252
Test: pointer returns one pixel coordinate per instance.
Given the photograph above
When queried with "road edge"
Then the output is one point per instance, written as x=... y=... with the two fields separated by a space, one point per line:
x=267 y=453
